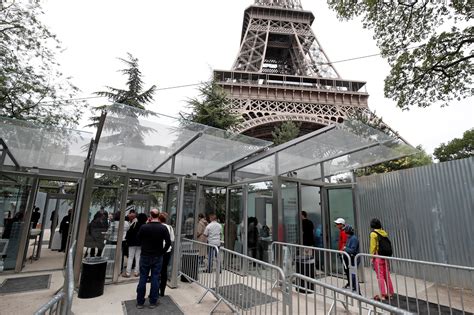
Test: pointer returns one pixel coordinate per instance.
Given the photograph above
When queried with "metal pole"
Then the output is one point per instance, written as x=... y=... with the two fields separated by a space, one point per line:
x=25 y=232
x=177 y=241
x=118 y=248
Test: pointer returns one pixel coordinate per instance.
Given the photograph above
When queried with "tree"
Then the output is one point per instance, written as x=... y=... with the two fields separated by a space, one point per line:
x=419 y=159
x=31 y=86
x=428 y=45
x=123 y=125
x=285 y=132
x=456 y=148
x=133 y=96
x=211 y=108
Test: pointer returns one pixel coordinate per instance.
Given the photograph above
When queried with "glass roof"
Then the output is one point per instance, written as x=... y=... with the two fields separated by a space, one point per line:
x=144 y=140
x=342 y=148
x=45 y=147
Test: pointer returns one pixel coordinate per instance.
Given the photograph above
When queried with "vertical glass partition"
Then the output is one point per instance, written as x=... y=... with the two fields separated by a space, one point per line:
x=340 y=203
x=261 y=221
x=291 y=216
x=234 y=233
x=311 y=203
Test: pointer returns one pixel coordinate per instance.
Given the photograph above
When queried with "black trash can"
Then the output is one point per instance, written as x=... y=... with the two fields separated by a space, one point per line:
x=305 y=265
x=92 y=280
x=190 y=265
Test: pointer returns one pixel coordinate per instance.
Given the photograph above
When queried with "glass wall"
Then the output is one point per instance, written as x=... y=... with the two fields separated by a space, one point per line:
x=14 y=191
x=311 y=203
x=291 y=216
x=234 y=232
x=340 y=204
x=261 y=221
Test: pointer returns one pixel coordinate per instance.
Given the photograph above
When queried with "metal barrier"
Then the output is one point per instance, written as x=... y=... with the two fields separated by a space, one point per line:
x=311 y=303
x=248 y=285
x=61 y=303
x=326 y=265
x=411 y=290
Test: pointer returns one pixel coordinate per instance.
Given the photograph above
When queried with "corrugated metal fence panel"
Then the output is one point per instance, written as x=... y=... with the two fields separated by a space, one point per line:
x=428 y=212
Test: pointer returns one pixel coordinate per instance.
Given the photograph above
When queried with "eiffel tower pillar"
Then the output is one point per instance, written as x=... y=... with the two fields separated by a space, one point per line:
x=282 y=73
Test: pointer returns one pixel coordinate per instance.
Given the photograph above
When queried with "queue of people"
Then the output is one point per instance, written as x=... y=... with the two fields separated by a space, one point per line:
x=379 y=246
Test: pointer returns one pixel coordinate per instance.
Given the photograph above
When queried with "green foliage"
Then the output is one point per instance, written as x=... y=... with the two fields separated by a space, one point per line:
x=31 y=86
x=287 y=131
x=430 y=61
x=211 y=108
x=456 y=148
x=133 y=96
x=419 y=159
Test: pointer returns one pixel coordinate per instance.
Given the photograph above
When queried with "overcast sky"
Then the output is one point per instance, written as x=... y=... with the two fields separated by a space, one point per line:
x=179 y=42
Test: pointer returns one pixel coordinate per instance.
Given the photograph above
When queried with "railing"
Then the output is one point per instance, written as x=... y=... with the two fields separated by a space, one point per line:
x=248 y=285
x=411 y=291
x=61 y=303
x=326 y=265
x=310 y=303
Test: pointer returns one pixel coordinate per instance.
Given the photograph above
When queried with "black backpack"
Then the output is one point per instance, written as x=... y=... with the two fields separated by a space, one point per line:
x=385 y=246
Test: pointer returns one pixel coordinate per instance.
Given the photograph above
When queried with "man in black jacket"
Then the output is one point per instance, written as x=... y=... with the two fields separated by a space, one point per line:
x=155 y=241
x=64 y=230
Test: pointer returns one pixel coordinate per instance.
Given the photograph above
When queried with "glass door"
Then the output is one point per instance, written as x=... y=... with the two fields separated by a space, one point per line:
x=340 y=205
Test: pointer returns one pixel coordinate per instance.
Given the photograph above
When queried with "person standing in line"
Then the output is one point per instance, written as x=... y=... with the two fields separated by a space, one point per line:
x=167 y=256
x=351 y=248
x=155 y=242
x=64 y=230
x=134 y=246
x=308 y=229
x=340 y=224
x=381 y=266
x=201 y=237
x=35 y=216
x=213 y=234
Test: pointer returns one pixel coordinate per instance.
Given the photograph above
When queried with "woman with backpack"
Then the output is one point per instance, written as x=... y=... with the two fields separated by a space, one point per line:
x=380 y=245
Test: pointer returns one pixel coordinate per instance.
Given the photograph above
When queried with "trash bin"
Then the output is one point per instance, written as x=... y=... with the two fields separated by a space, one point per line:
x=190 y=265
x=305 y=265
x=92 y=280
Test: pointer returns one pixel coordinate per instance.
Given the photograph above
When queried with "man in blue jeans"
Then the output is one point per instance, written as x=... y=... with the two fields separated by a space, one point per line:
x=213 y=234
x=155 y=241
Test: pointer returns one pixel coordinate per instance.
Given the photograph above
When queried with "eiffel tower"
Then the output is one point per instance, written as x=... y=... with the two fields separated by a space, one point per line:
x=282 y=73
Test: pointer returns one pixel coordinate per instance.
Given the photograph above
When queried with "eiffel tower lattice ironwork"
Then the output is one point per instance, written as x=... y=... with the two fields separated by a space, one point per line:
x=282 y=73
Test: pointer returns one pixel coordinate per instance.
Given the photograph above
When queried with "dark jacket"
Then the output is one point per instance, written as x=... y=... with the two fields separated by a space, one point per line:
x=151 y=237
x=132 y=234
x=352 y=245
x=64 y=226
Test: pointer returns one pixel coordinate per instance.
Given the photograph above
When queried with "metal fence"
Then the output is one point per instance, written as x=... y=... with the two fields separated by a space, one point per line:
x=427 y=212
x=311 y=303
x=326 y=265
x=61 y=303
x=412 y=291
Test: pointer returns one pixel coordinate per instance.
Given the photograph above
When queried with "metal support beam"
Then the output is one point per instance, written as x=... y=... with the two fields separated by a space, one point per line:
x=120 y=236
x=181 y=148
x=177 y=241
x=281 y=147
x=10 y=155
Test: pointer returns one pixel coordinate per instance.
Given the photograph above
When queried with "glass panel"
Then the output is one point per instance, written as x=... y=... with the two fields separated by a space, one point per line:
x=291 y=218
x=340 y=206
x=104 y=219
x=14 y=192
x=264 y=167
x=144 y=195
x=262 y=224
x=172 y=204
x=142 y=140
x=311 y=203
x=234 y=232
x=45 y=147
x=189 y=210
x=211 y=200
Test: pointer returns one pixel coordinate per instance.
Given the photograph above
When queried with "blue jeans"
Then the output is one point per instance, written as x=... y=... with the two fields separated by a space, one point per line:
x=211 y=253
x=148 y=263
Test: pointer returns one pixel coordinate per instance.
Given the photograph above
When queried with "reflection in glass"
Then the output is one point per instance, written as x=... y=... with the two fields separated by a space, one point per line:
x=310 y=202
x=234 y=233
x=291 y=218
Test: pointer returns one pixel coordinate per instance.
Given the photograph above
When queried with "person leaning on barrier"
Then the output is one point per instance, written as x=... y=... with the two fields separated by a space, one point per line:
x=378 y=239
x=213 y=234
x=155 y=241
x=351 y=248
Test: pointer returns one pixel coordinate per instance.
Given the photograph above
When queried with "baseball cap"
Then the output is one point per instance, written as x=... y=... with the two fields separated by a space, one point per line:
x=340 y=221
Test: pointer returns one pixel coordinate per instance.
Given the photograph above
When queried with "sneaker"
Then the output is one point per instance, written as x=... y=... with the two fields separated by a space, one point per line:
x=136 y=274
x=140 y=306
x=126 y=275
x=153 y=305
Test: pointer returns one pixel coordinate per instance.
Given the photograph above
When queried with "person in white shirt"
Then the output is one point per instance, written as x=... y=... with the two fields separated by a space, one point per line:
x=213 y=234
x=167 y=256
